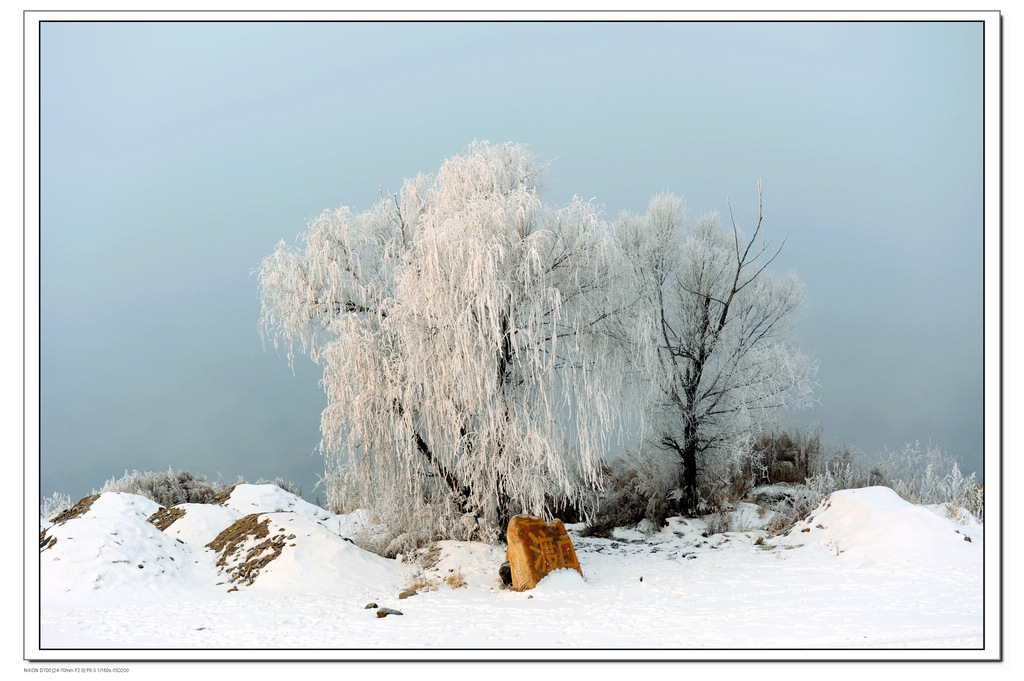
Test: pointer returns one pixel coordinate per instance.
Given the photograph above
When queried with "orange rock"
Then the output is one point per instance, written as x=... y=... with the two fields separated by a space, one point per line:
x=536 y=548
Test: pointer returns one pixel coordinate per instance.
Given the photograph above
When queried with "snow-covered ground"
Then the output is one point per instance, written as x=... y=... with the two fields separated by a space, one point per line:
x=867 y=575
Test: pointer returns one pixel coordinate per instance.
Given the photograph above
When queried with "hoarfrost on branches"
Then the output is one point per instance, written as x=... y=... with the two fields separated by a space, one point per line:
x=460 y=324
x=713 y=339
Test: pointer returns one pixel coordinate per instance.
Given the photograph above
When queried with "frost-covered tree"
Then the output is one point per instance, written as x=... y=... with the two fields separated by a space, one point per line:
x=713 y=329
x=458 y=322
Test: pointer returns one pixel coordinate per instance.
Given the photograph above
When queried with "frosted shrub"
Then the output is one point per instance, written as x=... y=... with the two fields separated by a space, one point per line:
x=920 y=476
x=287 y=486
x=927 y=476
x=166 y=489
x=53 y=505
x=638 y=486
x=790 y=456
x=833 y=470
x=835 y=476
x=652 y=476
x=718 y=522
x=974 y=501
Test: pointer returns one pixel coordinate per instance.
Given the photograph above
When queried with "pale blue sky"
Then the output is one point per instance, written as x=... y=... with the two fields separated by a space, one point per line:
x=175 y=155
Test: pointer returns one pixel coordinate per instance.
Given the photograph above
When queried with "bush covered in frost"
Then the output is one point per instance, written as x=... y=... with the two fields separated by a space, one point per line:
x=641 y=488
x=183 y=487
x=930 y=476
x=637 y=488
x=287 y=486
x=166 y=489
x=53 y=505
x=921 y=476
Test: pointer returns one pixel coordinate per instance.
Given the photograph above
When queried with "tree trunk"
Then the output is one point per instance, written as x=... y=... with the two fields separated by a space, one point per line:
x=688 y=450
x=460 y=494
x=503 y=502
x=504 y=506
x=688 y=479
x=686 y=504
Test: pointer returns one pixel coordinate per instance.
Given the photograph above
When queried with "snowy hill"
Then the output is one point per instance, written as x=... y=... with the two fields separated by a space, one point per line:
x=265 y=571
x=874 y=525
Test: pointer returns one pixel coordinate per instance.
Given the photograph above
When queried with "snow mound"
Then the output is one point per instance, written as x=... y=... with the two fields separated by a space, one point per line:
x=119 y=546
x=349 y=524
x=687 y=530
x=116 y=505
x=957 y=514
x=268 y=498
x=199 y=524
x=289 y=551
x=565 y=580
x=722 y=592
x=114 y=552
x=747 y=517
x=875 y=525
x=474 y=563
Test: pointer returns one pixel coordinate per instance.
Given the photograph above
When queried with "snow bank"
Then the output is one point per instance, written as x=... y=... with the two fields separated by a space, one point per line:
x=349 y=524
x=875 y=525
x=313 y=559
x=561 y=581
x=201 y=523
x=269 y=498
x=112 y=552
x=475 y=563
x=870 y=571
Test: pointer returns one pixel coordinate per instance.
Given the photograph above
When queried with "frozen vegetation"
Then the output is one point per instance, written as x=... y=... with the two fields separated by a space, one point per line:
x=865 y=570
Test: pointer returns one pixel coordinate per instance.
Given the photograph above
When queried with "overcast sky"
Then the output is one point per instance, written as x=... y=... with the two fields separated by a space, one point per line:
x=175 y=155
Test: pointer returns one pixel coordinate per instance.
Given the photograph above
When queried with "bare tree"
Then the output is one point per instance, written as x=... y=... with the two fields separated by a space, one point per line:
x=459 y=326
x=714 y=336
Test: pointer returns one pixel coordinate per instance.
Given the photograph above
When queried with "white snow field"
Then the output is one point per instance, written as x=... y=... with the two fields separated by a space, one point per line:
x=866 y=571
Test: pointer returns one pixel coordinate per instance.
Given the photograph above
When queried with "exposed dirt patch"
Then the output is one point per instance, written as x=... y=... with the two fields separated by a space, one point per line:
x=428 y=556
x=67 y=514
x=223 y=496
x=78 y=509
x=232 y=543
x=165 y=517
x=242 y=529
